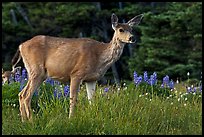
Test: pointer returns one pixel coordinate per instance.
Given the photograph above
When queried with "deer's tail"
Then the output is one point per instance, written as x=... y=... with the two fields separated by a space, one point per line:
x=15 y=60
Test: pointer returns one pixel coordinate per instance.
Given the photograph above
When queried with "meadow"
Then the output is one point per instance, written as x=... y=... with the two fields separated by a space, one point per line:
x=144 y=106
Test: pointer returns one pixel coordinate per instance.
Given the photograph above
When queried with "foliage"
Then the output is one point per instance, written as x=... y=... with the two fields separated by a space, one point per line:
x=171 y=41
x=143 y=106
x=169 y=36
x=125 y=110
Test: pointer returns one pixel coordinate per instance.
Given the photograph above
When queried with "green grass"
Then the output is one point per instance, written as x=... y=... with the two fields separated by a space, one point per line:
x=126 y=112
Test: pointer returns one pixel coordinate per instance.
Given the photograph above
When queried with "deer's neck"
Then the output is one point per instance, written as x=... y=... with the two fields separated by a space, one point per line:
x=112 y=52
x=115 y=49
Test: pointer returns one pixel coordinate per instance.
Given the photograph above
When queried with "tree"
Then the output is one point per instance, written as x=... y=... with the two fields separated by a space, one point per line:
x=171 y=41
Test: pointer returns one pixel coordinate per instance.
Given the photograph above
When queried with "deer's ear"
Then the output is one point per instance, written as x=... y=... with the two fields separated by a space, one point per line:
x=136 y=20
x=114 y=21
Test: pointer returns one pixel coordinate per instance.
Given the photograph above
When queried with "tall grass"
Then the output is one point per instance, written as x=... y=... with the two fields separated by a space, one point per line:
x=126 y=110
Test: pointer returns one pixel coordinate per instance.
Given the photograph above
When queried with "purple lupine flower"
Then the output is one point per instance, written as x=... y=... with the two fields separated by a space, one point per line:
x=24 y=74
x=194 y=89
x=138 y=80
x=153 y=79
x=66 y=90
x=171 y=84
x=145 y=76
x=50 y=81
x=17 y=76
x=155 y=76
x=23 y=79
x=106 y=89
x=166 y=80
x=135 y=75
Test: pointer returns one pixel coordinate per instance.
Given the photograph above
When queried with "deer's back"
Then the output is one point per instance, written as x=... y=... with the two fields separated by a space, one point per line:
x=63 y=57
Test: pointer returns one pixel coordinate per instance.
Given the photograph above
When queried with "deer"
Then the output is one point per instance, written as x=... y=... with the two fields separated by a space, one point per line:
x=7 y=74
x=73 y=60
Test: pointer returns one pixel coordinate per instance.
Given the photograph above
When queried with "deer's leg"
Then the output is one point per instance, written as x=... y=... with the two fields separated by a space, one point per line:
x=33 y=85
x=74 y=86
x=90 y=88
x=22 y=96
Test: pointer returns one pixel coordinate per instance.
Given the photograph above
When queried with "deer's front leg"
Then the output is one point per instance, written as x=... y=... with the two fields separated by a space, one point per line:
x=74 y=86
x=90 y=87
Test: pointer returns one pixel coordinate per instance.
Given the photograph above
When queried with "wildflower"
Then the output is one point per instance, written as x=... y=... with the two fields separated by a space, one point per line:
x=166 y=80
x=188 y=74
x=185 y=99
x=200 y=88
x=137 y=80
x=194 y=89
x=189 y=89
x=66 y=90
x=152 y=80
x=177 y=81
x=17 y=76
x=179 y=99
x=50 y=81
x=184 y=104
x=24 y=73
x=171 y=84
x=145 y=76
x=106 y=89
x=135 y=75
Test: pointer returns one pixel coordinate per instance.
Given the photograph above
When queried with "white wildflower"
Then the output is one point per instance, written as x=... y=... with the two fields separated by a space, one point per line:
x=192 y=86
x=179 y=99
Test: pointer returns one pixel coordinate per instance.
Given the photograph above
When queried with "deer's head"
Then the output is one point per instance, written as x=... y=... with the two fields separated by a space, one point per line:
x=123 y=31
x=5 y=76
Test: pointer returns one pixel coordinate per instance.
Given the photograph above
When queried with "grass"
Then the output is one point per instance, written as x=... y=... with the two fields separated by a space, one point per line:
x=128 y=111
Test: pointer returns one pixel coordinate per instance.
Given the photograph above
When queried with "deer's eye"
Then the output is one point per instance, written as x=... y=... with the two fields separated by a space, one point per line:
x=121 y=30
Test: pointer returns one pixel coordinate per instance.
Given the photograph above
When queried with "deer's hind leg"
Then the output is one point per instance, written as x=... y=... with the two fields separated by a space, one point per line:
x=25 y=96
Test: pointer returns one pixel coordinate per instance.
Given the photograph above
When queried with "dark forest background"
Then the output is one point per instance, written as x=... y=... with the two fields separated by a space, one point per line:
x=169 y=38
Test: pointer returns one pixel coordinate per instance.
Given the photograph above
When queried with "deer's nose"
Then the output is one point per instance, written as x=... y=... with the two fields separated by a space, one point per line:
x=132 y=39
